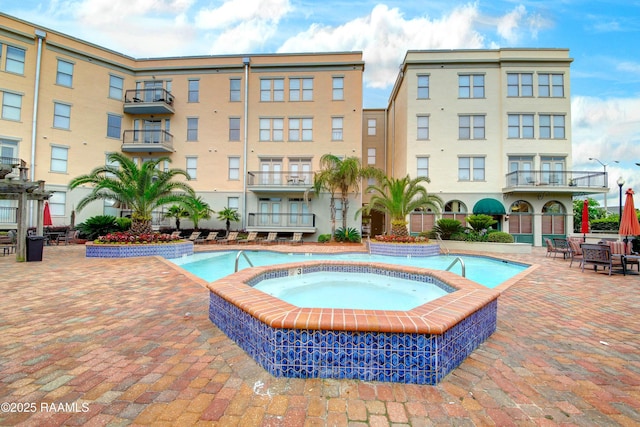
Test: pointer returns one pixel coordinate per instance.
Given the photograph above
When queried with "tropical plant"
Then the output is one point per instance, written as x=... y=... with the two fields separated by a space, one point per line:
x=398 y=197
x=324 y=238
x=228 y=215
x=447 y=227
x=138 y=188
x=127 y=237
x=98 y=226
x=124 y=223
x=177 y=212
x=479 y=222
x=341 y=175
x=349 y=234
x=197 y=209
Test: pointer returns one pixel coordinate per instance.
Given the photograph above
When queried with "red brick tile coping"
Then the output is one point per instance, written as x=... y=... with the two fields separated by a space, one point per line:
x=434 y=317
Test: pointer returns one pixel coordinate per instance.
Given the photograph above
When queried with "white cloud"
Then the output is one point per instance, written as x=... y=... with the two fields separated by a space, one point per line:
x=234 y=12
x=509 y=24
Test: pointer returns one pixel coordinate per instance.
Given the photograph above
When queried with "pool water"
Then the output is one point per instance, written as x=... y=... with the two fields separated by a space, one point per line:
x=351 y=290
x=211 y=266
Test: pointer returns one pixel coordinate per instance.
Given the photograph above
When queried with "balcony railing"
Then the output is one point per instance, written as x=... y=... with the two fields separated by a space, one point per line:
x=281 y=221
x=561 y=179
x=8 y=165
x=289 y=180
x=150 y=140
x=8 y=215
x=148 y=101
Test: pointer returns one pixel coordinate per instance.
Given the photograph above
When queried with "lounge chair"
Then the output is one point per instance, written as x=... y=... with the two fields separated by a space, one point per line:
x=175 y=234
x=575 y=252
x=194 y=236
x=296 y=239
x=597 y=256
x=251 y=238
x=211 y=238
x=271 y=239
x=561 y=246
x=232 y=237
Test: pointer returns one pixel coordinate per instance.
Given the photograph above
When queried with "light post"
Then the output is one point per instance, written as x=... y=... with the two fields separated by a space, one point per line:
x=606 y=181
x=620 y=184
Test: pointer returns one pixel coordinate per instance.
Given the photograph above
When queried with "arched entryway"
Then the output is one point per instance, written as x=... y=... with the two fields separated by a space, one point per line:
x=521 y=221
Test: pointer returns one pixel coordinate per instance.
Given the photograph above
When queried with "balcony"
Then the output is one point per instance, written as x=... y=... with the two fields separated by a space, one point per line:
x=148 y=101
x=282 y=222
x=150 y=141
x=574 y=182
x=9 y=165
x=290 y=181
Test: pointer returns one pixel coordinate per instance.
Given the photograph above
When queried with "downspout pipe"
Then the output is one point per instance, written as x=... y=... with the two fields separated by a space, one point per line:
x=246 y=61
x=40 y=35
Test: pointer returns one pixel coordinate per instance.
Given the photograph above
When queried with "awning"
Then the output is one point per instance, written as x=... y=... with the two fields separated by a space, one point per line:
x=489 y=207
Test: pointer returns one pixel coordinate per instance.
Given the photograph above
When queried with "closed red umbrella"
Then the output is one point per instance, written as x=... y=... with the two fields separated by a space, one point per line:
x=629 y=225
x=46 y=217
x=585 y=220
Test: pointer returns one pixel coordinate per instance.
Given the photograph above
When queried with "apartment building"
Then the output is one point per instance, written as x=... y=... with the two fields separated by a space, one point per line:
x=491 y=129
x=249 y=129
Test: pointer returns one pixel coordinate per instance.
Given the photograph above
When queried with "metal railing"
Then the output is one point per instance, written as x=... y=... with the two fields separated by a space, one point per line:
x=455 y=261
x=556 y=179
x=238 y=258
x=286 y=178
x=8 y=215
x=148 y=95
x=276 y=220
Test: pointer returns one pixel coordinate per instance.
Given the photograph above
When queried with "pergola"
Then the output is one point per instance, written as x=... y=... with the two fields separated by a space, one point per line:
x=23 y=191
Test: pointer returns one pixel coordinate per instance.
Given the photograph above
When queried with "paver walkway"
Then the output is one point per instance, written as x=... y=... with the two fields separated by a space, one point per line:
x=128 y=342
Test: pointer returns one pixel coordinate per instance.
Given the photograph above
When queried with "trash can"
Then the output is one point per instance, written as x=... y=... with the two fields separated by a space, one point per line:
x=35 y=245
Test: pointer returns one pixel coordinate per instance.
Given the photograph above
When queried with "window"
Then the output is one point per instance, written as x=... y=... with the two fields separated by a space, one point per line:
x=423 y=87
x=271 y=129
x=371 y=156
x=61 y=115
x=8 y=148
x=116 y=85
x=337 y=124
x=11 y=106
x=233 y=203
x=422 y=166
x=59 y=157
x=114 y=125
x=192 y=167
x=471 y=169
x=371 y=127
x=194 y=91
x=234 y=128
x=338 y=88
x=423 y=127
x=234 y=90
x=551 y=85
x=64 y=77
x=272 y=90
x=300 y=129
x=301 y=90
x=192 y=129
x=471 y=127
x=471 y=86
x=520 y=126
x=234 y=168
x=519 y=84
x=552 y=126
x=15 y=60
x=57 y=203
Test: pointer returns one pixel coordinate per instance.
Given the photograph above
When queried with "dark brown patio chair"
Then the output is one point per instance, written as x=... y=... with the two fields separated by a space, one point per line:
x=597 y=256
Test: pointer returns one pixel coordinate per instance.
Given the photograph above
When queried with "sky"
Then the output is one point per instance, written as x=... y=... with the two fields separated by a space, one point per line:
x=603 y=38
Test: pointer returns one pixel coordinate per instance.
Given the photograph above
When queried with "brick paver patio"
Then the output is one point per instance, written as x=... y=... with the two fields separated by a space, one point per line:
x=128 y=342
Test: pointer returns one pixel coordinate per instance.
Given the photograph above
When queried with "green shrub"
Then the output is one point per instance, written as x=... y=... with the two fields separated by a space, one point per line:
x=349 y=234
x=609 y=223
x=97 y=226
x=500 y=237
x=124 y=223
x=481 y=222
x=324 y=238
x=447 y=227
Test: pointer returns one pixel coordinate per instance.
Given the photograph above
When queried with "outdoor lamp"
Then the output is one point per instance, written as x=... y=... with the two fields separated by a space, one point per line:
x=620 y=182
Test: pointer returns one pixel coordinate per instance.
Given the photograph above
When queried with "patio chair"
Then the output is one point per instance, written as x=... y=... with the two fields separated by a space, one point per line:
x=67 y=237
x=561 y=246
x=211 y=238
x=271 y=239
x=232 y=237
x=175 y=234
x=620 y=249
x=251 y=238
x=575 y=252
x=194 y=236
x=597 y=256
x=296 y=239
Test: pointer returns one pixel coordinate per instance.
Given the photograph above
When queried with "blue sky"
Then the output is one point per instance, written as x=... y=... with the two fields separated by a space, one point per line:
x=603 y=38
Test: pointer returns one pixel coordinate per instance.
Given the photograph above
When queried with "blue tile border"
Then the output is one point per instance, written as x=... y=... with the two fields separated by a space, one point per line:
x=166 y=250
x=404 y=249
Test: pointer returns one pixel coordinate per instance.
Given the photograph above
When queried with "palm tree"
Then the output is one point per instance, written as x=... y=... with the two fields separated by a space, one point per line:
x=140 y=189
x=198 y=209
x=338 y=174
x=178 y=212
x=228 y=215
x=398 y=197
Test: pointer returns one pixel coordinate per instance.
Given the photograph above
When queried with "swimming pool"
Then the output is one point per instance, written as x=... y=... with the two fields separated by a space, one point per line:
x=210 y=266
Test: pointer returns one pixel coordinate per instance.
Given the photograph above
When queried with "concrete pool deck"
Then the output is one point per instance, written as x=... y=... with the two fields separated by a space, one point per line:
x=131 y=339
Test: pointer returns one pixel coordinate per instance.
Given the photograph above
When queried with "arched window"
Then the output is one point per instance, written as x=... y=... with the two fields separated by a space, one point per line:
x=455 y=209
x=520 y=218
x=553 y=218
